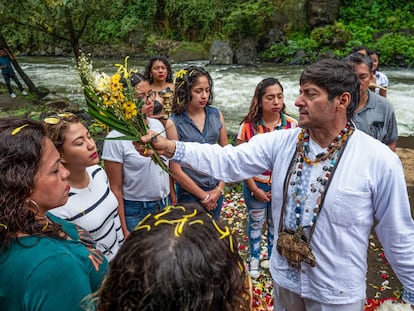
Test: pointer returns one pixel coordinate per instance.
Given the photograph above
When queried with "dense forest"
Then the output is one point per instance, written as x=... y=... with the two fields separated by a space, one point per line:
x=284 y=31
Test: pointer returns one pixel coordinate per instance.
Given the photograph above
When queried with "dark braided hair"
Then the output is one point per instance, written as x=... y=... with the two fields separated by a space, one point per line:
x=179 y=259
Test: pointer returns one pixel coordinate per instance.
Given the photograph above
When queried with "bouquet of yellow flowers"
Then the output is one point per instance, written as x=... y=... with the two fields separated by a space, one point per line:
x=112 y=103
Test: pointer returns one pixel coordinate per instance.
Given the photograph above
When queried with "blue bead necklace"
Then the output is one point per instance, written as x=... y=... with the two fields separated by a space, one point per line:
x=293 y=243
x=299 y=194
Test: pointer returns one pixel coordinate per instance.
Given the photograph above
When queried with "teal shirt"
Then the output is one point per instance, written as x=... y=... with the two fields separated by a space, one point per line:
x=49 y=273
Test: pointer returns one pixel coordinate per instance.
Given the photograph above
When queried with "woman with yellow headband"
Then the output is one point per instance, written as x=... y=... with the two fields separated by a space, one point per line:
x=46 y=263
x=195 y=119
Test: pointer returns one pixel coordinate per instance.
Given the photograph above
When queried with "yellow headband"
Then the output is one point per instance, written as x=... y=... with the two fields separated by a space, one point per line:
x=18 y=129
x=180 y=223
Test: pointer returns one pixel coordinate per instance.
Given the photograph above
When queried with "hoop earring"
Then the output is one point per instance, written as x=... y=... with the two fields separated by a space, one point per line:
x=46 y=224
x=35 y=205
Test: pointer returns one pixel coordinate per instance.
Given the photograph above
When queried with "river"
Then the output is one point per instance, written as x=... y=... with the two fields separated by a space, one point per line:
x=233 y=85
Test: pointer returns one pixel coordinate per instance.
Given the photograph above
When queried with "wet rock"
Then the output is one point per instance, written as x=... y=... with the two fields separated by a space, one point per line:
x=246 y=53
x=221 y=53
x=322 y=12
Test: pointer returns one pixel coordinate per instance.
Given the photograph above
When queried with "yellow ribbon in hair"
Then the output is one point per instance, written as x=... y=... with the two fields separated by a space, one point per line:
x=18 y=129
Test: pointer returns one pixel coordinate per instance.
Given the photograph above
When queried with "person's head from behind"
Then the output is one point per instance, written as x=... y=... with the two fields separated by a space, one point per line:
x=178 y=259
x=32 y=178
x=193 y=86
x=158 y=69
x=362 y=65
x=73 y=140
x=268 y=98
x=334 y=78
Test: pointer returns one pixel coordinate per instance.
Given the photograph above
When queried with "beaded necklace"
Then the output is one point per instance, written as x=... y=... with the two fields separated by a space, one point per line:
x=282 y=124
x=334 y=150
x=302 y=147
x=294 y=179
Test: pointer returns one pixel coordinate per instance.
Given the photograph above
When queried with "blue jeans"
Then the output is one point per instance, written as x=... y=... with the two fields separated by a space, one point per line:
x=258 y=213
x=184 y=196
x=135 y=211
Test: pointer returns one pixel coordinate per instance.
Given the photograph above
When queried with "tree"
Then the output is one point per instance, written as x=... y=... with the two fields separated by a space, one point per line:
x=63 y=20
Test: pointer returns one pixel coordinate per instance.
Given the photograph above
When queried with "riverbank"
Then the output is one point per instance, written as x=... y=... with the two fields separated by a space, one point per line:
x=405 y=145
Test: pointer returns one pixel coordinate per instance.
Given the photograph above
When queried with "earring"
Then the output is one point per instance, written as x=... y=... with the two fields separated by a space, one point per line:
x=35 y=205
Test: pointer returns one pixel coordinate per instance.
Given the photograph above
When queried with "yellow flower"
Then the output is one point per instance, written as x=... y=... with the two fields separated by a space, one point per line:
x=115 y=78
x=180 y=74
x=130 y=109
x=124 y=68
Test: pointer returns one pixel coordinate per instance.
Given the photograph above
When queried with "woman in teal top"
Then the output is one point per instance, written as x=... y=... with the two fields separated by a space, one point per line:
x=46 y=263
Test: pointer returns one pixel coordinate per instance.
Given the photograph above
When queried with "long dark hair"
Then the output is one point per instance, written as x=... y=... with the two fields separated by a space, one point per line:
x=179 y=259
x=21 y=149
x=256 y=111
x=184 y=81
x=148 y=68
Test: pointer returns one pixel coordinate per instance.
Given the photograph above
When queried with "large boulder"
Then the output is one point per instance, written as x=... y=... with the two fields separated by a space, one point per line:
x=322 y=12
x=221 y=53
x=246 y=53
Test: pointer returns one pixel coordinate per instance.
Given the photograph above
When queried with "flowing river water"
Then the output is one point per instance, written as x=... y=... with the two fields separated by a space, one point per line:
x=233 y=85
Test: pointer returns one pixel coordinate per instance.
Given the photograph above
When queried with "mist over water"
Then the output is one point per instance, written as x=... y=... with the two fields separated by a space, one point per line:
x=233 y=85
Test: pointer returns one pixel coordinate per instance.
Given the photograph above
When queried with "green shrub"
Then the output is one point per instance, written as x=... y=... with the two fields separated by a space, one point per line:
x=395 y=47
x=333 y=36
x=286 y=52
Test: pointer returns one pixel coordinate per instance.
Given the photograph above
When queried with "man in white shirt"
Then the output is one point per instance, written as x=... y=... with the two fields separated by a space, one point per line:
x=331 y=183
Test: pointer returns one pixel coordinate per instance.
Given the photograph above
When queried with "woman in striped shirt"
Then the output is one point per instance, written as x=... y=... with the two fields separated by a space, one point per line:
x=91 y=203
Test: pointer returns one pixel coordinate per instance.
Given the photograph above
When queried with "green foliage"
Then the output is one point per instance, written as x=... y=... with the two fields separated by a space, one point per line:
x=33 y=24
x=248 y=19
x=191 y=20
x=286 y=52
x=62 y=20
x=122 y=21
x=380 y=15
x=233 y=187
x=334 y=35
x=394 y=47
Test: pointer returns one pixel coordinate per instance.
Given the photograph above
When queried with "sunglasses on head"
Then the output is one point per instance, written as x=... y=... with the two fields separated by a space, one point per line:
x=56 y=119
